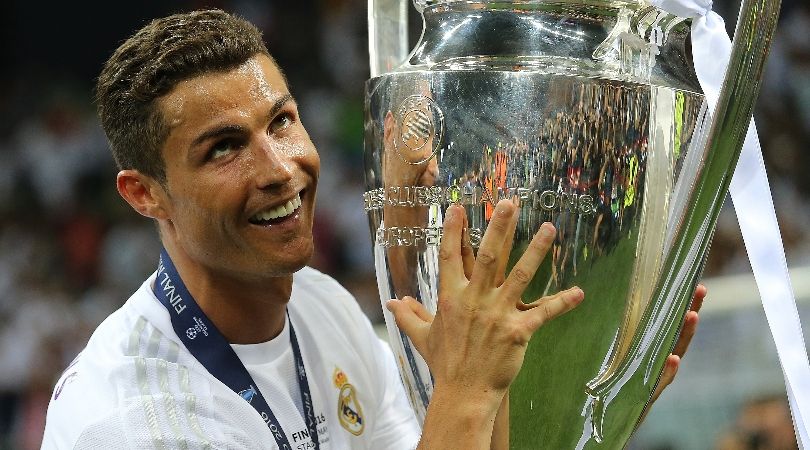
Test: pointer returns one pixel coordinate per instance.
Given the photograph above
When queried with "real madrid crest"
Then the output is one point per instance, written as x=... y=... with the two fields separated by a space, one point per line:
x=421 y=128
x=349 y=411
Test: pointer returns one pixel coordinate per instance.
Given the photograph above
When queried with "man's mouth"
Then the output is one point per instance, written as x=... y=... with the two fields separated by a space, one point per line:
x=278 y=213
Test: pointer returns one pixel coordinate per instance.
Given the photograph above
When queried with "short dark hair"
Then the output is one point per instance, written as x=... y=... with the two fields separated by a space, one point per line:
x=150 y=63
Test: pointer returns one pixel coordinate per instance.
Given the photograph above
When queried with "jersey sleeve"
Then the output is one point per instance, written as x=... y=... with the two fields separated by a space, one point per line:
x=80 y=398
x=114 y=432
x=137 y=403
x=105 y=434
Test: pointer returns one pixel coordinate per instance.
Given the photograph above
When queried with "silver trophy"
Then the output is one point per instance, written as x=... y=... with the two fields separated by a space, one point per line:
x=589 y=112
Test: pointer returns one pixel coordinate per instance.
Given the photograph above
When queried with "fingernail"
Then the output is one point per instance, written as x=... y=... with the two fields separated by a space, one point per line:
x=504 y=207
x=389 y=305
x=546 y=230
x=455 y=207
x=578 y=293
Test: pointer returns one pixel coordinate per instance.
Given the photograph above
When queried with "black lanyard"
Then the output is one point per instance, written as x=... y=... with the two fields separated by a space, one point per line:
x=207 y=344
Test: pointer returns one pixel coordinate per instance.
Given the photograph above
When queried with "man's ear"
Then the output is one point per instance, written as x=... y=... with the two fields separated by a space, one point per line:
x=145 y=194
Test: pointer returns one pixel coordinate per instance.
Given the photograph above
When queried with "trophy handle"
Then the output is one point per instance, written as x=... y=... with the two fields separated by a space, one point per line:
x=752 y=39
x=387 y=35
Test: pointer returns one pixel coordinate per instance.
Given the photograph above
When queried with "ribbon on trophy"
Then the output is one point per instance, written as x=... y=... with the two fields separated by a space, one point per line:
x=751 y=194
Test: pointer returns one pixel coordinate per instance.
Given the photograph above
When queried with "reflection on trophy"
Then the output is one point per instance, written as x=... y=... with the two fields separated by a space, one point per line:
x=589 y=114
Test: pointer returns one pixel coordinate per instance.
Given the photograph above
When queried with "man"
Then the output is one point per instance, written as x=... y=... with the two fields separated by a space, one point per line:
x=233 y=342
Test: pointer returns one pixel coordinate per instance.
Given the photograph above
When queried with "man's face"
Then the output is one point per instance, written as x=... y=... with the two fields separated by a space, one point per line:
x=241 y=172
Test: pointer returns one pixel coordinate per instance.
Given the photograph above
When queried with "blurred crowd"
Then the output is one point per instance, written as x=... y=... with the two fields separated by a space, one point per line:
x=73 y=251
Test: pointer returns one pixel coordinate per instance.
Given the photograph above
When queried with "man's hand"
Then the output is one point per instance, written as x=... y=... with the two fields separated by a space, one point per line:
x=476 y=343
x=690 y=323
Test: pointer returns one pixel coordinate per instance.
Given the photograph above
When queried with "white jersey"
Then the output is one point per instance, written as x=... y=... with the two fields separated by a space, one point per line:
x=136 y=386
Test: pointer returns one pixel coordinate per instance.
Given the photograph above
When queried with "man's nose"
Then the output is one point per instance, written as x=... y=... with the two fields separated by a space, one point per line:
x=274 y=166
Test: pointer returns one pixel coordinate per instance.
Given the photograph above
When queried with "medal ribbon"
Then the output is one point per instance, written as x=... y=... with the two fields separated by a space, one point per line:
x=213 y=351
x=751 y=194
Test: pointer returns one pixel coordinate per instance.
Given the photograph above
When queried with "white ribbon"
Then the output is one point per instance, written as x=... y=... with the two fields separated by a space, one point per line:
x=711 y=48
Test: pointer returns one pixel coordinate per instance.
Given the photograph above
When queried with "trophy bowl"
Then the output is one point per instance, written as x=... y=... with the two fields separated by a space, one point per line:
x=589 y=114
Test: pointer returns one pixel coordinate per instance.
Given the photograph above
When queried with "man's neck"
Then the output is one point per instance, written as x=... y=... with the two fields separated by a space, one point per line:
x=244 y=312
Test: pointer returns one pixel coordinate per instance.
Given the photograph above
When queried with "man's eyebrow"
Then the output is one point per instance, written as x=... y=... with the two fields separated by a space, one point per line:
x=280 y=104
x=232 y=129
x=219 y=131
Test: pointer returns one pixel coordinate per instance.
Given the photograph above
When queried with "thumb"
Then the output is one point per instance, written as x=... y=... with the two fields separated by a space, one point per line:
x=410 y=318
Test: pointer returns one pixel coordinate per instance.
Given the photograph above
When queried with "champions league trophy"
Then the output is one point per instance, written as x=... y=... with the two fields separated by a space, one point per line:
x=588 y=112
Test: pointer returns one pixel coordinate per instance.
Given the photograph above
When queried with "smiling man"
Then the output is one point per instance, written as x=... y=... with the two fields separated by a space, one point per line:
x=233 y=342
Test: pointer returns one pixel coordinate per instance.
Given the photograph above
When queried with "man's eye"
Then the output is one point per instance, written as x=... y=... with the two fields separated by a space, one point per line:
x=281 y=122
x=220 y=149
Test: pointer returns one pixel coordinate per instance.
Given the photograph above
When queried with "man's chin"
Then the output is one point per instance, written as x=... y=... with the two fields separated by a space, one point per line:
x=293 y=268
x=284 y=266
x=270 y=271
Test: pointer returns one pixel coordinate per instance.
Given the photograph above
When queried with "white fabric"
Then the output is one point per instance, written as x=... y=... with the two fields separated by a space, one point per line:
x=272 y=366
x=711 y=49
x=136 y=386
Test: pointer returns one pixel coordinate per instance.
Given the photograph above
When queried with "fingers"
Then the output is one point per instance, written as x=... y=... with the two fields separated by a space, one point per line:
x=524 y=270
x=489 y=253
x=411 y=318
x=467 y=255
x=506 y=249
x=690 y=322
x=670 y=370
x=450 y=262
x=550 y=307
x=697 y=299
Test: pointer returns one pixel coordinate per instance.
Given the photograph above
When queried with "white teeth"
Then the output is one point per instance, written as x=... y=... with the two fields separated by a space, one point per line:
x=279 y=211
